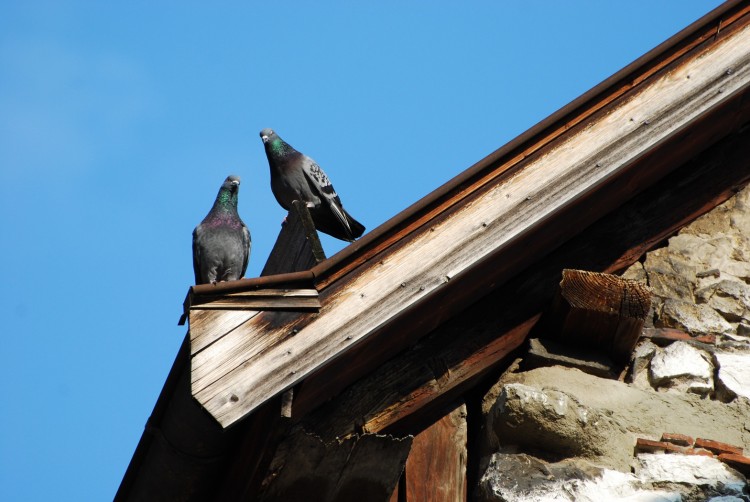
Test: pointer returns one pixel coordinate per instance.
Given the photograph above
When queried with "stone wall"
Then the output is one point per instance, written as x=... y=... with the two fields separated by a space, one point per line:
x=676 y=425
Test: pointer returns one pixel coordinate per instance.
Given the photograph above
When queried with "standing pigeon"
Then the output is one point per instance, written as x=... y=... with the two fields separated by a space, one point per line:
x=295 y=176
x=221 y=243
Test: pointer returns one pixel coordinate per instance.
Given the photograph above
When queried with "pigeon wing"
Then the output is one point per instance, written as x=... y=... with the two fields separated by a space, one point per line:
x=321 y=187
x=246 y=243
x=197 y=253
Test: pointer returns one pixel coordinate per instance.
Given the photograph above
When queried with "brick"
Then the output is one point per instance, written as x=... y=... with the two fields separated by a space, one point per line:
x=678 y=439
x=666 y=334
x=709 y=339
x=662 y=336
x=650 y=446
x=717 y=447
x=739 y=462
x=698 y=451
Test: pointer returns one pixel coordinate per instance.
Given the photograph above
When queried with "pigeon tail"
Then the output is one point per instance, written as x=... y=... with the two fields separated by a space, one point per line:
x=328 y=223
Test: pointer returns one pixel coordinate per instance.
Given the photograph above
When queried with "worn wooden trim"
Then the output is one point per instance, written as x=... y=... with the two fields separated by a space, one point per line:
x=287 y=304
x=234 y=375
x=266 y=299
x=208 y=326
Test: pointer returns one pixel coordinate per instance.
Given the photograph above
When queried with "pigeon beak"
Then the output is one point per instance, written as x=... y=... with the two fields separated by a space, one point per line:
x=264 y=138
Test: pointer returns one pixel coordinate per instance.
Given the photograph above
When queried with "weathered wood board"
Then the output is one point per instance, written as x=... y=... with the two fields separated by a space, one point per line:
x=263 y=299
x=436 y=466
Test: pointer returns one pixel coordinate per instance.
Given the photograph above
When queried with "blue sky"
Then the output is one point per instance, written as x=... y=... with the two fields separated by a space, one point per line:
x=119 y=121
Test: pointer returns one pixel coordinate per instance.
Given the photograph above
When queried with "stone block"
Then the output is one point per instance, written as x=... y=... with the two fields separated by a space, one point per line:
x=636 y=272
x=693 y=318
x=523 y=478
x=729 y=298
x=660 y=478
x=734 y=373
x=671 y=286
x=688 y=469
x=683 y=368
x=550 y=420
x=739 y=212
x=567 y=413
x=670 y=260
x=638 y=372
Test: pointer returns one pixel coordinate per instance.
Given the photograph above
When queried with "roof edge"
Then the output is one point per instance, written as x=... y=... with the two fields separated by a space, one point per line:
x=267 y=281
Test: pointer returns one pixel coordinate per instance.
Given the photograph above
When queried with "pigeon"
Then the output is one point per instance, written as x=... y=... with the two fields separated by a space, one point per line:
x=221 y=242
x=295 y=176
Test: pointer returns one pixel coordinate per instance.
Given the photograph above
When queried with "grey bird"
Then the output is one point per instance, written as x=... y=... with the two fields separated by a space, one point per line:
x=295 y=176
x=221 y=242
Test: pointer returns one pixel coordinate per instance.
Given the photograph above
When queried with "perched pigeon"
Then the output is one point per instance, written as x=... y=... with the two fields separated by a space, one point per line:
x=295 y=176
x=221 y=243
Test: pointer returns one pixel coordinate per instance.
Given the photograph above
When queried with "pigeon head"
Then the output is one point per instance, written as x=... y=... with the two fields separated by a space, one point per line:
x=228 y=191
x=232 y=183
x=268 y=136
x=274 y=145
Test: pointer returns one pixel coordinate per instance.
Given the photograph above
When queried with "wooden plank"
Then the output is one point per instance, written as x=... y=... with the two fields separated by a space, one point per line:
x=265 y=293
x=206 y=326
x=294 y=304
x=500 y=215
x=436 y=466
x=395 y=397
x=264 y=299
x=599 y=311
